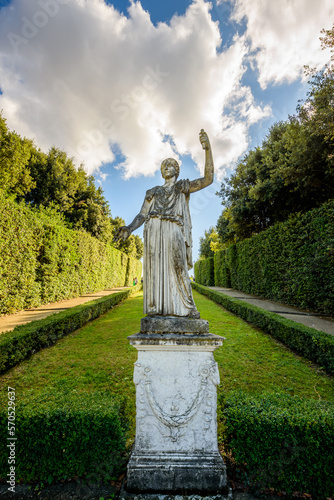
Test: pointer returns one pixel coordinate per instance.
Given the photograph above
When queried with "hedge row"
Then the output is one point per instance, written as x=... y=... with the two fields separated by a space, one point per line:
x=204 y=271
x=291 y=262
x=310 y=343
x=24 y=340
x=282 y=442
x=43 y=261
x=277 y=440
x=65 y=435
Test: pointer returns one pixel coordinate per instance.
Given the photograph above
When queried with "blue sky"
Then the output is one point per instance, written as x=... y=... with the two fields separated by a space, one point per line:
x=122 y=85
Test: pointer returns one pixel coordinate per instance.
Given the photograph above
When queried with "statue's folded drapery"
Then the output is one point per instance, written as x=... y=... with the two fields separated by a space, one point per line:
x=167 y=251
x=167 y=239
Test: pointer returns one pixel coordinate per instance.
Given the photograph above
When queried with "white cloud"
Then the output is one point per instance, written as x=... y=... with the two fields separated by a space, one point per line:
x=285 y=35
x=79 y=75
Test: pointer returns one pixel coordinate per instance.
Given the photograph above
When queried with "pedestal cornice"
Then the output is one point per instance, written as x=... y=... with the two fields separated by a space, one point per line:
x=176 y=341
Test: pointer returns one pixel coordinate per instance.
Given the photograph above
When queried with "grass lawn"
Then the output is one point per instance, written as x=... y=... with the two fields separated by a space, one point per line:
x=98 y=357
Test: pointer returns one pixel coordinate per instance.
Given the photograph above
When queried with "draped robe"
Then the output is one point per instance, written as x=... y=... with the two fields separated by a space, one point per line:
x=167 y=251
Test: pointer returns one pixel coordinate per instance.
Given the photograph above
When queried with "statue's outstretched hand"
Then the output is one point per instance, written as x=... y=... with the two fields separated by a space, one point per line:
x=204 y=139
x=122 y=234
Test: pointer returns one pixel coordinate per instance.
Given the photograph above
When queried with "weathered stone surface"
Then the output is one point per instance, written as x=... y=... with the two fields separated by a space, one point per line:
x=124 y=495
x=176 y=341
x=168 y=240
x=177 y=472
x=172 y=324
x=176 y=423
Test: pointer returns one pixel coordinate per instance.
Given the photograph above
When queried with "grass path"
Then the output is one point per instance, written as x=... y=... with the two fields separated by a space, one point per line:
x=256 y=362
x=98 y=357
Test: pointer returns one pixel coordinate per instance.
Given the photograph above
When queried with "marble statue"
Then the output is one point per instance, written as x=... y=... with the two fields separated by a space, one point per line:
x=167 y=239
x=176 y=376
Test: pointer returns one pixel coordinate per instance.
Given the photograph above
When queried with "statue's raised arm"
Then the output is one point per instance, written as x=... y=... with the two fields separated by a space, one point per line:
x=167 y=239
x=205 y=181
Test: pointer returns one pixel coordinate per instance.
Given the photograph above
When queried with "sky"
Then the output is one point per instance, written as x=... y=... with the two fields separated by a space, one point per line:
x=122 y=85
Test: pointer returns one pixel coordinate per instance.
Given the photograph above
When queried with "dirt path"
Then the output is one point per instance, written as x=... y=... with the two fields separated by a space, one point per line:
x=9 y=322
x=318 y=322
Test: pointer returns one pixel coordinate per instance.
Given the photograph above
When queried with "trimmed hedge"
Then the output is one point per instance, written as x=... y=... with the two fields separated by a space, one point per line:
x=283 y=442
x=42 y=261
x=204 y=271
x=64 y=435
x=291 y=262
x=24 y=340
x=222 y=272
x=310 y=343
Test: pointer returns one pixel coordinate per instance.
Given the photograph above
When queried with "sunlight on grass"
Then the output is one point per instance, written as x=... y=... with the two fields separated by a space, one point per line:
x=98 y=357
x=256 y=362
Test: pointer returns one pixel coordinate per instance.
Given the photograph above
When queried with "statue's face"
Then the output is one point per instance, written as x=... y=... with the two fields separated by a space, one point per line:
x=168 y=169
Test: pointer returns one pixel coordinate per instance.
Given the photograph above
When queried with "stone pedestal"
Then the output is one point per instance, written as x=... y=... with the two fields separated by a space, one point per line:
x=176 y=376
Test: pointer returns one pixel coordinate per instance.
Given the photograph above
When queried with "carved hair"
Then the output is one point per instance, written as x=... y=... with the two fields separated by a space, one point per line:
x=174 y=163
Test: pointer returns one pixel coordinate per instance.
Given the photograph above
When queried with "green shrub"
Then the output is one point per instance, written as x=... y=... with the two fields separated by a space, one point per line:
x=197 y=271
x=43 y=261
x=133 y=270
x=283 y=442
x=63 y=435
x=24 y=340
x=310 y=343
x=204 y=271
x=291 y=262
x=19 y=249
x=222 y=273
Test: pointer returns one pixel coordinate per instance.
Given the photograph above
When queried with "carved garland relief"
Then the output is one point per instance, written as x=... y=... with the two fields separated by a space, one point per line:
x=173 y=420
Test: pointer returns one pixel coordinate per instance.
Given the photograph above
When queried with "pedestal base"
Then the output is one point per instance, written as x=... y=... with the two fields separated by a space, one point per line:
x=176 y=376
x=125 y=495
x=177 y=472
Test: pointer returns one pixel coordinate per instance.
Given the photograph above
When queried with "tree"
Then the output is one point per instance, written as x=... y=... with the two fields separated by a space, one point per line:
x=209 y=243
x=15 y=178
x=292 y=171
x=317 y=111
x=71 y=191
x=133 y=245
x=52 y=181
x=327 y=41
x=139 y=246
x=225 y=231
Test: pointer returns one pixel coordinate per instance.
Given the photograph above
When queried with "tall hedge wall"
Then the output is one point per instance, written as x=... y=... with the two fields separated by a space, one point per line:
x=42 y=261
x=291 y=262
x=204 y=272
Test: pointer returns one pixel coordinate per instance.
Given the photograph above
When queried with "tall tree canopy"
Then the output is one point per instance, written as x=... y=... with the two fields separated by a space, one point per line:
x=71 y=191
x=209 y=243
x=292 y=171
x=15 y=177
x=52 y=180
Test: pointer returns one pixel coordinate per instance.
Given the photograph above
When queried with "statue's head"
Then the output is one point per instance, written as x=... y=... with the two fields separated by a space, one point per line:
x=166 y=166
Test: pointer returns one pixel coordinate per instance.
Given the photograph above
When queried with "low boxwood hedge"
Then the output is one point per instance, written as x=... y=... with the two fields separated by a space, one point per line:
x=24 y=340
x=282 y=442
x=312 y=344
x=65 y=435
